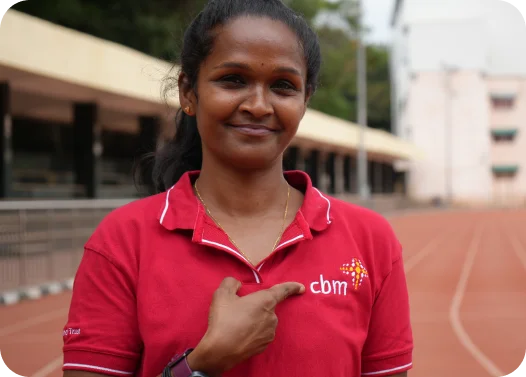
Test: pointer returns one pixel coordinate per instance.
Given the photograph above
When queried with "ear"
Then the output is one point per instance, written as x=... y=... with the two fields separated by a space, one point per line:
x=187 y=97
x=308 y=95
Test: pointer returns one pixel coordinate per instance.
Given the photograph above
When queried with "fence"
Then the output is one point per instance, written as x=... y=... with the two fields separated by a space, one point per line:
x=42 y=241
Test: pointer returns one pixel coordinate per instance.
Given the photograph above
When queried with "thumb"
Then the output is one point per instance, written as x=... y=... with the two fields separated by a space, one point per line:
x=281 y=291
x=229 y=286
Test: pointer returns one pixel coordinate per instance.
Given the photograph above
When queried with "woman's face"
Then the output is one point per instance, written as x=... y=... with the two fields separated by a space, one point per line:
x=251 y=93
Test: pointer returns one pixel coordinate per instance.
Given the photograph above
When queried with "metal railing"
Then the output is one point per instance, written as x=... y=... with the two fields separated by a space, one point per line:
x=43 y=241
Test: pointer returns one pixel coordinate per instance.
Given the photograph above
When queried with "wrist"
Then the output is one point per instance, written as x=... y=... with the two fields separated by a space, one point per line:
x=203 y=359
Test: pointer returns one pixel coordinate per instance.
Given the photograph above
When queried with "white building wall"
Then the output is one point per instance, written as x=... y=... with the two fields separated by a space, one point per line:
x=510 y=190
x=484 y=42
x=432 y=113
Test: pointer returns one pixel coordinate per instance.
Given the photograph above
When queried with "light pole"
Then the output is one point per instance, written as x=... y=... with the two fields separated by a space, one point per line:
x=363 y=186
x=448 y=133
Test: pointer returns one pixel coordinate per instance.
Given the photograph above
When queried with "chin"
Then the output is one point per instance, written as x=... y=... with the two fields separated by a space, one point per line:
x=253 y=159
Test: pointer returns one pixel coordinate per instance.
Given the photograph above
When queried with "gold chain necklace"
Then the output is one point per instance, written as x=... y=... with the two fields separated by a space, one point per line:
x=229 y=238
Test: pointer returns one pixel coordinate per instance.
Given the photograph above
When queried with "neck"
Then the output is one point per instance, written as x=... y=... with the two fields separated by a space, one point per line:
x=238 y=193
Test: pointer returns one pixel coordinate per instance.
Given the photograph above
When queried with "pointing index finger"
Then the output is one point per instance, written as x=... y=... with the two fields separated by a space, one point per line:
x=281 y=291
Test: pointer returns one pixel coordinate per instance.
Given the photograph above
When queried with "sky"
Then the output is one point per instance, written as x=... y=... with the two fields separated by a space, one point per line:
x=377 y=17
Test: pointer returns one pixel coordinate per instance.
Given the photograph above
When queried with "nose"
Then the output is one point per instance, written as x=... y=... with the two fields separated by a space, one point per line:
x=257 y=103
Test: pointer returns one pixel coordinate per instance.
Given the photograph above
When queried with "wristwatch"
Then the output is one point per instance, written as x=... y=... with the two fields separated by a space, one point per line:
x=178 y=367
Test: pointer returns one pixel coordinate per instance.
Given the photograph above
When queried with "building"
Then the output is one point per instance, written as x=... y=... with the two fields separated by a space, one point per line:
x=75 y=111
x=459 y=92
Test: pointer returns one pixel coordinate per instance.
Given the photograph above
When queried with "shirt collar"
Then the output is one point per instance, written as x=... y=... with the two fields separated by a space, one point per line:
x=180 y=207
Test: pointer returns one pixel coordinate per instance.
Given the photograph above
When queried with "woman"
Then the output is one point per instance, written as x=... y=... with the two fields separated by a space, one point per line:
x=204 y=269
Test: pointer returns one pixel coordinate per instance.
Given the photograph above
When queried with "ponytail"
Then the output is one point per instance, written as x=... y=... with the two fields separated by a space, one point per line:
x=178 y=156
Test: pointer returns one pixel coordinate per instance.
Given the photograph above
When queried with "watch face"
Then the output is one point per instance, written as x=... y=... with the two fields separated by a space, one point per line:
x=198 y=374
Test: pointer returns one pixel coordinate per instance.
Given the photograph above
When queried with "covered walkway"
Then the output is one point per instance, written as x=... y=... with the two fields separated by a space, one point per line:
x=76 y=110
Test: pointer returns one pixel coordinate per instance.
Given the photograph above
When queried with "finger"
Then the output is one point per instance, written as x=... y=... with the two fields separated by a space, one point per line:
x=281 y=291
x=230 y=286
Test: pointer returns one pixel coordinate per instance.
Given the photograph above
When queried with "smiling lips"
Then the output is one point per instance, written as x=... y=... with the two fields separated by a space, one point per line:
x=252 y=129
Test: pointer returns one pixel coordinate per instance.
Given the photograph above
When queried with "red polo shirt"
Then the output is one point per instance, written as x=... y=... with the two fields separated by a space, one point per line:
x=146 y=280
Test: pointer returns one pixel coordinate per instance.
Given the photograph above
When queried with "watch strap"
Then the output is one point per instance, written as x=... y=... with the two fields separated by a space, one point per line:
x=178 y=366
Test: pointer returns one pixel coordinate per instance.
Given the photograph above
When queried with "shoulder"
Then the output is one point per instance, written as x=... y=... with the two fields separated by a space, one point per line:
x=122 y=228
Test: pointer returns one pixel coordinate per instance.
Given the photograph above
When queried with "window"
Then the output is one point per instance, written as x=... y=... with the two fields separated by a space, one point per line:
x=503 y=135
x=501 y=171
x=502 y=101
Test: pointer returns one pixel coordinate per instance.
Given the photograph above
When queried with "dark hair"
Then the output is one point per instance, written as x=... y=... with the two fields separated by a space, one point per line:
x=183 y=153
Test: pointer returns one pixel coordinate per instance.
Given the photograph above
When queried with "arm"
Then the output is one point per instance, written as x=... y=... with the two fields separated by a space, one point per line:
x=389 y=344
x=103 y=302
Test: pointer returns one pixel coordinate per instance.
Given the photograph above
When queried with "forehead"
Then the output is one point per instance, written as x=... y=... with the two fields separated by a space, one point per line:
x=257 y=39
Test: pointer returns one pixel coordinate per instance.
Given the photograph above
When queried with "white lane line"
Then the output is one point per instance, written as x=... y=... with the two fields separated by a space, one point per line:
x=454 y=311
x=431 y=246
x=49 y=367
x=33 y=321
x=518 y=248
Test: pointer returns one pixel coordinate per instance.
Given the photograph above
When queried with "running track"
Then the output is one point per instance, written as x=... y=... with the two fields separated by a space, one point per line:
x=467 y=279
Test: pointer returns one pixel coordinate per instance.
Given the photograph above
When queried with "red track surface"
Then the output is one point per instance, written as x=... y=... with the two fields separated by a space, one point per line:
x=467 y=279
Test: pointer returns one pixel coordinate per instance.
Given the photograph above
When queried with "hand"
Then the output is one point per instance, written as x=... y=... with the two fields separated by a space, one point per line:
x=239 y=327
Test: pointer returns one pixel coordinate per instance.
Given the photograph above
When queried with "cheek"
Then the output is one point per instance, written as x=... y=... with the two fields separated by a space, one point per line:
x=215 y=105
x=290 y=114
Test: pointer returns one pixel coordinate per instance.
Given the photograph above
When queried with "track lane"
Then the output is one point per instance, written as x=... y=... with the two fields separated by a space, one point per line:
x=493 y=311
x=31 y=334
x=432 y=285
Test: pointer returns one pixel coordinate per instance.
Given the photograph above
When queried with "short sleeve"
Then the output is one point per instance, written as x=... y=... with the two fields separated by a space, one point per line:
x=389 y=344
x=101 y=334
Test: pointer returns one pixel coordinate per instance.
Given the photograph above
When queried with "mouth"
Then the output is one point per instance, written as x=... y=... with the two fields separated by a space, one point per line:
x=252 y=129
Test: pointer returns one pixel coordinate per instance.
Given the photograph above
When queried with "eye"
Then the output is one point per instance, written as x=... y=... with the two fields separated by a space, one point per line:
x=285 y=86
x=232 y=80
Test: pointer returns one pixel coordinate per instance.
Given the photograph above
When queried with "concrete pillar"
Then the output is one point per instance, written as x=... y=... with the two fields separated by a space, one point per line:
x=88 y=149
x=347 y=173
x=330 y=174
x=149 y=128
x=6 y=144
x=378 y=179
x=324 y=179
x=388 y=179
x=339 y=174
x=301 y=162
x=370 y=176
x=353 y=171
x=312 y=168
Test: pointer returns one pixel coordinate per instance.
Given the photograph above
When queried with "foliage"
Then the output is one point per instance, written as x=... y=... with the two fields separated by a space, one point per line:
x=155 y=27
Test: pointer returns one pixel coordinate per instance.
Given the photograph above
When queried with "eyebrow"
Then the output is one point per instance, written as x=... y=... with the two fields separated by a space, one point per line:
x=244 y=66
